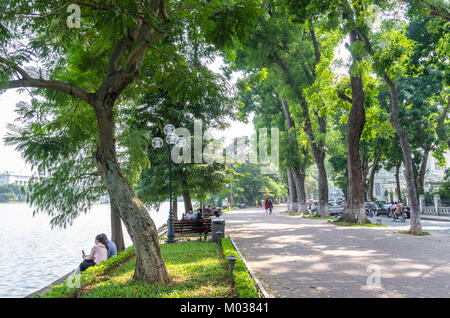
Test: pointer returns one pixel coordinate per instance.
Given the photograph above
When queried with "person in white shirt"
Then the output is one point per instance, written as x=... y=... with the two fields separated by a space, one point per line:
x=190 y=215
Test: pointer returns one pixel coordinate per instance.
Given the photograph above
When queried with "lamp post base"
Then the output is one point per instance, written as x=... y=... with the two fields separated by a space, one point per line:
x=171 y=240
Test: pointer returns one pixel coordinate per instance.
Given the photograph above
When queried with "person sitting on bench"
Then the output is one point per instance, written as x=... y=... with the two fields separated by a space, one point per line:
x=199 y=214
x=190 y=215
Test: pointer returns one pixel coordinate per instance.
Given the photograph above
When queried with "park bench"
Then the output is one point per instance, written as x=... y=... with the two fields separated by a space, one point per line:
x=184 y=227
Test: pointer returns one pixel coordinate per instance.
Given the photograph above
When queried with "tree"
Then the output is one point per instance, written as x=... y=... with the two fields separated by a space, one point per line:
x=10 y=192
x=444 y=188
x=290 y=53
x=99 y=67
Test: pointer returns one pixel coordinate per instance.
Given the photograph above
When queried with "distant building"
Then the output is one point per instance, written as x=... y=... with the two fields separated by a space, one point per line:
x=12 y=178
x=384 y=182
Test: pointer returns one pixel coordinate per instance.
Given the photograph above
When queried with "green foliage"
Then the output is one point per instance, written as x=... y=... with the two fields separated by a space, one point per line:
x=10 y=192
x=444 y=188
x=249 y=185
x=243 y=282
x=58 y=134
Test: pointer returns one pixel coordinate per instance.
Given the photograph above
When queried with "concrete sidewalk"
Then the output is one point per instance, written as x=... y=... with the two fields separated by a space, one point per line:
x=435 y=218
x=298 y=257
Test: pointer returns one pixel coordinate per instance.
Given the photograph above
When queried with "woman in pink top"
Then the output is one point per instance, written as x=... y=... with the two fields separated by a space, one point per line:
x=99 y=253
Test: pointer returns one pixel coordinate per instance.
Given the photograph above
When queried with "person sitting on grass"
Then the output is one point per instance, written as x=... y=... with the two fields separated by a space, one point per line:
x=99 y=253
x=112 y=248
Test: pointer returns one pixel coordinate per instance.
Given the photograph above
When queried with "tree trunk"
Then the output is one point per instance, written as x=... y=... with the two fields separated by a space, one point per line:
x=397 y=181
x=186 y=196
x=116 y=229
x=355 y=211
x=372 y=175
x=299 y=180
x=416 y=225
x=175 y=209
x=292 y=191
x=365 y=172
x=423 y=170
x=298 y=175
x=318 y=152
x=150 y=265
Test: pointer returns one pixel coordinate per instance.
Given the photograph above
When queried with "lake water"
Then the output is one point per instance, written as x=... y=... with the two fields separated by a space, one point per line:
x=32 y=255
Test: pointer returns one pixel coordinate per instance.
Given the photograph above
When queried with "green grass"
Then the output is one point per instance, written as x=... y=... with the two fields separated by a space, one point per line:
x=312 y=216
x=243 y=282
x=359 y=225
x=318 y=217
x=415 y=234
x=197 y=269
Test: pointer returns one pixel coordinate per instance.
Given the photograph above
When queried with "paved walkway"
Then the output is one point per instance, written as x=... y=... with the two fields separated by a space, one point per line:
x=297 y=257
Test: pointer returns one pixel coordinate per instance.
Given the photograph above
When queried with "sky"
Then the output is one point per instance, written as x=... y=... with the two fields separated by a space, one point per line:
x=11 y=160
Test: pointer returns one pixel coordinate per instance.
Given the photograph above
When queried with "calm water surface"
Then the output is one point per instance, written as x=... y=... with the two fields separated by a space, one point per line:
x=32 y=255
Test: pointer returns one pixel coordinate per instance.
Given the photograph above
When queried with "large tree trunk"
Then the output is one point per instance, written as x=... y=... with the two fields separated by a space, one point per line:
x=150 y=265
x=355 y=211
x=116 y=229
x=398 y=190
x=292 y=191
x=416 y=225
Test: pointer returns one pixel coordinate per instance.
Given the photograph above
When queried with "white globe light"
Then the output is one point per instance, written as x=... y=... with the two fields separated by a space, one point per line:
x=157 y=142
x=180 y=142
x=169 y=129
x=171 y=139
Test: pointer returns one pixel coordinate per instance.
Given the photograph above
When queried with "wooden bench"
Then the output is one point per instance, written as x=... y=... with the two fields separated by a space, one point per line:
x=199 y=227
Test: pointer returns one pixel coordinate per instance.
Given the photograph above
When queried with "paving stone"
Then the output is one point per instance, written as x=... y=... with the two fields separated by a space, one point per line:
x=297 y=257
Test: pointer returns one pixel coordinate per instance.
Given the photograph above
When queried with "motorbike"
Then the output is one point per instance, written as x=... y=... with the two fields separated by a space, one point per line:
x=401 y=216
x=371 y=212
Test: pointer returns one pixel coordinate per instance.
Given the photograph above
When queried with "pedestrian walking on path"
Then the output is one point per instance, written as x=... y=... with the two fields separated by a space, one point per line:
x=270 y=206
x=266 y=206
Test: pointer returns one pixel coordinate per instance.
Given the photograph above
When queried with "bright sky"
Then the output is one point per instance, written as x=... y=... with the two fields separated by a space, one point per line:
x=11 y=160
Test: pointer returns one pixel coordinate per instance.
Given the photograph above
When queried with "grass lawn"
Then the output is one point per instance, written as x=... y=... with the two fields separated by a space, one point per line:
x=312 y=216
x=361 y=225
x=198 y=269
x=419 y=234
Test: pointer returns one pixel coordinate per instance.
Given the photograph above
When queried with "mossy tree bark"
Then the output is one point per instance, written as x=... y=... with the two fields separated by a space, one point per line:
x=355 y=211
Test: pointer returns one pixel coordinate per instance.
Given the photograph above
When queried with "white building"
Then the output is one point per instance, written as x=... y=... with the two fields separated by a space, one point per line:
x=384 y=182
x=12 y=178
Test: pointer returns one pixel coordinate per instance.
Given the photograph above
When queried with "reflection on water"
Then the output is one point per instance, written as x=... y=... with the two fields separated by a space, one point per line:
x=32 y=255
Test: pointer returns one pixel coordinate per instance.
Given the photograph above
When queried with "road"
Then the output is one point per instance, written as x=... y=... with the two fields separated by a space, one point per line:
x=439 y=227
x=299 y=257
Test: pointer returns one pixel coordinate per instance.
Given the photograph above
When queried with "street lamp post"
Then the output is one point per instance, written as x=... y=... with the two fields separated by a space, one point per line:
x=171 y=139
